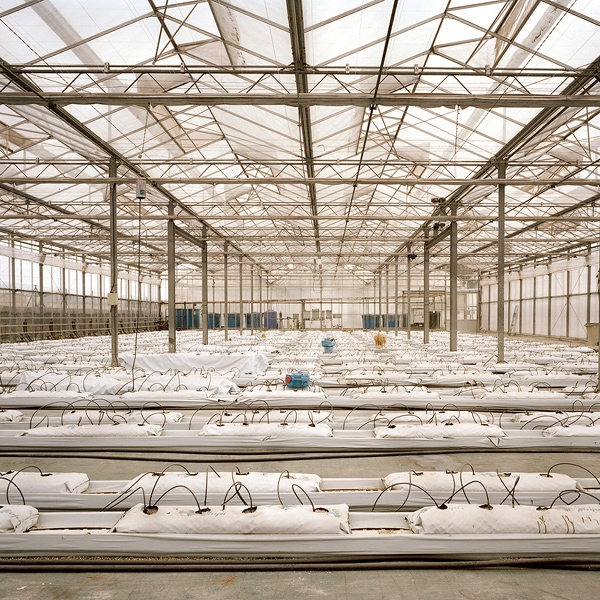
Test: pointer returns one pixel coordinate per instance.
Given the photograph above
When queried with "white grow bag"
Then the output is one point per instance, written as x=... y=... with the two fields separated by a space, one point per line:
x=449 y=482
x=266 y=430
x=257 y=483
x=43 y=483
x=17 y=518
x=119 y=430
x=261 y=520
x=470 y=519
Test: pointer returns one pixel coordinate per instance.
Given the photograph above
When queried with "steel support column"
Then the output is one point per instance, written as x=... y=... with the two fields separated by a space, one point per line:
x=387 y=298
x=426 y=289
x=171 y=278
x=205 y=286
x=225 y=291
x=252 y=300
x=396 y=296
x=260 y=303
x=241 y=294
x=380 y=315
x=408 y=286
x=453 y=280
x=114 y=308
x=501 y=233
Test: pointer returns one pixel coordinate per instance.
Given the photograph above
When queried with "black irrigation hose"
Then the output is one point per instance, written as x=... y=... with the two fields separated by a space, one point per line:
x=359 y=563
x=201 y=455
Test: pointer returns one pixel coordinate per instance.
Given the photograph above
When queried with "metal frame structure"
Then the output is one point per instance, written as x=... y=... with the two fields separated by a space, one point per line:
x=327 y=136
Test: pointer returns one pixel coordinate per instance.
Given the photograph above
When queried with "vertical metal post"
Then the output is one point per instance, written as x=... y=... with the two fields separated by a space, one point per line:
x=501 y=222
x=426 y=288
x=41 y=292
x=252 y=300
x=171 y=278
x=374 y=301
x=205 y=286
x=397 y=317
x=225 y=290
x=13 y=291
x=598 y=317
x=260 y=302
x=534 y=308
x=387 y=298
x=83 y=299
x=549 y=302
x=114 y=315
x=241 y=294
x=408 y=286
x=453 y=280
x=568 y=304
x=380 y=315
x=588 y=299
x=520 y=303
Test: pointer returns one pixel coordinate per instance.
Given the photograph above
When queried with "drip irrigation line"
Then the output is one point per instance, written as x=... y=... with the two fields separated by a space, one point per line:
x=285 y=564
x=189 y=456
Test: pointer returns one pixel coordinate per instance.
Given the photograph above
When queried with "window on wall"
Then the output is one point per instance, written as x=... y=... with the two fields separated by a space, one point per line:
x=4 y=271
x=52 y=279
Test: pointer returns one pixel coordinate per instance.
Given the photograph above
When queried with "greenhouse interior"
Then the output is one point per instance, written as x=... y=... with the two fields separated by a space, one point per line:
x=299 y=297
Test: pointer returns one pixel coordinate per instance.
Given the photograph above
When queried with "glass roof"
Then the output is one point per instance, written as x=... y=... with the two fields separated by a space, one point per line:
x=298 y=130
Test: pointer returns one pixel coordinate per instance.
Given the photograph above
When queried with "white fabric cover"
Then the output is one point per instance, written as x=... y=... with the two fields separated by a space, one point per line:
x=279 y=416
x=471 y=519
x=572 y=431
x=265 y=430
x=547 y=417
x=17 y=518
x=49 y=395
x=265 y=520
x=33 y=482
x=251 y=362
x=157 y=384
x=97 y=417
x=277 y=394
x=459 y=430
x=396 y=396
x=448 y=483
x=426 y=432
x=120 y=430
x=157 y=396
x=457 y=416
x=82 y=385
x=10 y=416
x=433 y=432
x=256 y=482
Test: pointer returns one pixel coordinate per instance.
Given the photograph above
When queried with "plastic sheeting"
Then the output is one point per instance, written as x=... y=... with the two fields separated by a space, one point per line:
x=10 y=416
x=470 y=519
x=446 y=430
x=572 y=431
x=220 y=483
x=493 y=482
x=265 y=430
x=245 y=363
x=44 y=483
x=17 y=518
x=261 y=520
x=118 y=430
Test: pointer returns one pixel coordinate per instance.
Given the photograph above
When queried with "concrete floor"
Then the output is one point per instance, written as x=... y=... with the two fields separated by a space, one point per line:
x=501 y=584
x=438 y=584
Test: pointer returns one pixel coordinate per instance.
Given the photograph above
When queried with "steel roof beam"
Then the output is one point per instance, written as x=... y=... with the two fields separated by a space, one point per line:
x=367 y=181
x=296 y=24
x=305 y=99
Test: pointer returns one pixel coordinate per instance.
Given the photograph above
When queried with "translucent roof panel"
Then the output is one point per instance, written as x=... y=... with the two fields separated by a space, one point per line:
x=270 y=123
